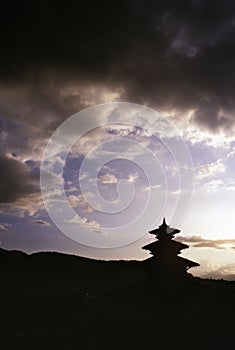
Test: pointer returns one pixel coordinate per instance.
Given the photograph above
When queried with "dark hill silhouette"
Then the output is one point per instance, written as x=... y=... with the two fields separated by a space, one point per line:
x=49 y=298
x=77 y=273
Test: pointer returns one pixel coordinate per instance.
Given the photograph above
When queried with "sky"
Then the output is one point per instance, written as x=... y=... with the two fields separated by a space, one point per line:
x=136 y=102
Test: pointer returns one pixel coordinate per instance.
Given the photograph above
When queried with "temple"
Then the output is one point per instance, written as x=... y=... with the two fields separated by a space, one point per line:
x=165 y=251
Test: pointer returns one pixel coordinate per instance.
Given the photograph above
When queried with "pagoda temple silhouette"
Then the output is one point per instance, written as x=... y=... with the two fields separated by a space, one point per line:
x=165 y=260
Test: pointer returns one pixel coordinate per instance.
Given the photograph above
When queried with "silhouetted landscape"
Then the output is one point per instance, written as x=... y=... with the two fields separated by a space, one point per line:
x=114 y=114
x=56 y=298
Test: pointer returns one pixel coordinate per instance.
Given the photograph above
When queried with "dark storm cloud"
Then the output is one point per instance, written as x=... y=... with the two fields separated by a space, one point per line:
x=37 y=99
x=168 y=54
x=16 y=180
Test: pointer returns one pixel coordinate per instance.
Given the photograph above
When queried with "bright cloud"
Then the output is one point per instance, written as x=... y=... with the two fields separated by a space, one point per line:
x=83 y=221
x=200 y=242
x=213 y=185
x=211 y=169
x=133 y=177
x=4 y=226
x=108 y=179
x=77 y=201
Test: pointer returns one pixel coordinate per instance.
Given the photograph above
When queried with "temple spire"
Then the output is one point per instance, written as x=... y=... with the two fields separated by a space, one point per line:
x=165 y=251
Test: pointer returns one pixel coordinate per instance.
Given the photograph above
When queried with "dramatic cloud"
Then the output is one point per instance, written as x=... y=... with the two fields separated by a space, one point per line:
x=166 y=54
x=177 y=57
x=19 y=187
x=16 y=180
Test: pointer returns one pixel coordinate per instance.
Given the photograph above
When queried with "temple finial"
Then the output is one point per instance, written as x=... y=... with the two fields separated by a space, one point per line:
x=164 y=222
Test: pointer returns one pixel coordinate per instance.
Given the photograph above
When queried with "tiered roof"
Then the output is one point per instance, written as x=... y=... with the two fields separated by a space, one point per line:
x=165 y=250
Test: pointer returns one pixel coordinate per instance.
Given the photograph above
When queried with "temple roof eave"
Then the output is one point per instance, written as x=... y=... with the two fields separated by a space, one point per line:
x=155 y=245
x=189 y=263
